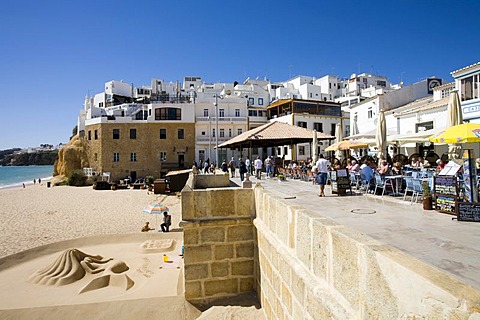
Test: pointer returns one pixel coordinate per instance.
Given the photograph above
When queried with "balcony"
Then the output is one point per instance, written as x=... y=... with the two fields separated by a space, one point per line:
x=221 y=119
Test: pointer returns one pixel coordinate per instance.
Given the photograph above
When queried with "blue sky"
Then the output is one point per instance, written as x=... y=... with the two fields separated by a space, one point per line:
x=52 y=53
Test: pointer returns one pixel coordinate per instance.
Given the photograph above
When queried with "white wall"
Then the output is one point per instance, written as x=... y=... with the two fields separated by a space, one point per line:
x=119 y=88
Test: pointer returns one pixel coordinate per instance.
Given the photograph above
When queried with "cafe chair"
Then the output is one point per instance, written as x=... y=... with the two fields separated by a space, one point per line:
x=354 y=180
x=417 y=189
x=408 y=186
x=383 y=184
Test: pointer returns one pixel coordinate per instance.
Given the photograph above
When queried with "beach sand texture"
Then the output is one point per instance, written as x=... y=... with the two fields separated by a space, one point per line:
x=37 y=215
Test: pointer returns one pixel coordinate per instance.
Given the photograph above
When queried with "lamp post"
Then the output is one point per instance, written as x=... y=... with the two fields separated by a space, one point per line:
x=216 y=96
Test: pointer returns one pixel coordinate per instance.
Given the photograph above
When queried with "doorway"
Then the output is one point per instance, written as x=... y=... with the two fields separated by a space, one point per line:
x=181 y=161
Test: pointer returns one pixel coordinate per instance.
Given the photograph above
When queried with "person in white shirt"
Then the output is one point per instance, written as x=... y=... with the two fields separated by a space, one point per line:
x=257 y=164
x=322 y=168
x=247 y=163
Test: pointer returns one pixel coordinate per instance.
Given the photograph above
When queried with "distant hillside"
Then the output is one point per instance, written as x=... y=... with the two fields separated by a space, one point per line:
x=7 y=158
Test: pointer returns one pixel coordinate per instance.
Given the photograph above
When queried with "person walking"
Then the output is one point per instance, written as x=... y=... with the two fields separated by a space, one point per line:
x=257 y=164
x=248 y=164
x=268 y=166
x=232 y=166
x=322 y=171
x=242 y=168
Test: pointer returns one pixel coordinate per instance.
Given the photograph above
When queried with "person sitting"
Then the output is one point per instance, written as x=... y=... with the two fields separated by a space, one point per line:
x=336 y=164
x=440 y=165
x=416 y=163
x=167 y=221
x=366 y=175
x=397 y=168
x=384 y=168
x=354 y=167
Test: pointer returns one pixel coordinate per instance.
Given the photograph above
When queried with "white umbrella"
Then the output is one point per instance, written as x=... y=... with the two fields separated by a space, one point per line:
x=338 y=138
x=454 y=110
x=455 y=117
x=314 y=147
x=381 y=135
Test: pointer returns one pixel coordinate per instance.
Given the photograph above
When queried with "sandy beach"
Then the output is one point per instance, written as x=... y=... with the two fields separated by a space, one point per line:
x=37 y=215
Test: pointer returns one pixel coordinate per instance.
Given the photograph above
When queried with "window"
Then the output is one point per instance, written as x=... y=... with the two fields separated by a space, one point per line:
x=424 y=126
x=116 y=134
x=311 y=95
x=318 y=126
x=95 y=157
x=221 y=113
x=370 y=113
x=301 y=151
x=239 y=131
x=168 y=114
x=222 y=133
x=133 y=157
x=285 y=150
x=252 y=113
x=470 y=87
x=203 y=133
x=251 y=101
x=237 y=112
x=181 y=134
x=89 y=135
x=133 y=133
x=163 y=133
x=116 y=157
x=260 y=101
x=95 y=134
x=205 y=112
x=332 y=129
x=163 y=156
x=301 y=124
x=229 y=133
x=213 y=133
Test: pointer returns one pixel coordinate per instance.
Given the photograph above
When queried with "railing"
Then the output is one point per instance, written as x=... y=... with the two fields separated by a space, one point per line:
x=221 y=119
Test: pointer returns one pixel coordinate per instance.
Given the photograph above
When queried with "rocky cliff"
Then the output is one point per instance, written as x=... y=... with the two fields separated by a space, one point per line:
x=71 y=156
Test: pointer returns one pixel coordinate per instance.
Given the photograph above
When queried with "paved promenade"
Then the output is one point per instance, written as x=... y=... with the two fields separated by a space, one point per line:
x=429 y=236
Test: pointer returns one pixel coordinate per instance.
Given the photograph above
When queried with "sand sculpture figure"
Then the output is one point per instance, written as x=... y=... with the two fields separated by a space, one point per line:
x=73 y=264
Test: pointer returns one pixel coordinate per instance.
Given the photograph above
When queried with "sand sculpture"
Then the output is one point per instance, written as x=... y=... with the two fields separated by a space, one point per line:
x=155 y=246
x=72 y=265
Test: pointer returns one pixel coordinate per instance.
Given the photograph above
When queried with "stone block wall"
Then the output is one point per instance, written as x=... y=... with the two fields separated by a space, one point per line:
x=219 y=242
x=309 y=267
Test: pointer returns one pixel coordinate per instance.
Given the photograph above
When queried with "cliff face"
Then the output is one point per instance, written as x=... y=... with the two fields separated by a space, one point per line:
x=71 y=156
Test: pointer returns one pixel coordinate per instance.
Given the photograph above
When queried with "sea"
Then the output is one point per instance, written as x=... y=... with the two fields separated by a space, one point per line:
x=15 y=176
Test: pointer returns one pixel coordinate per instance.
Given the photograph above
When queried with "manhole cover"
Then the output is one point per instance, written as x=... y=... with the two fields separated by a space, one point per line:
x=363 y=211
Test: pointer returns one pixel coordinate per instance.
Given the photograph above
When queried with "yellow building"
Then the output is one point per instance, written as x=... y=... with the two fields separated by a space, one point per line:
x=136 y=148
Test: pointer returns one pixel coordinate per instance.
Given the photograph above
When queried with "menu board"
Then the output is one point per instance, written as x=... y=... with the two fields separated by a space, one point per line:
x=446 y=185
x=340 y=181
x=446 y=203
x=468 y=211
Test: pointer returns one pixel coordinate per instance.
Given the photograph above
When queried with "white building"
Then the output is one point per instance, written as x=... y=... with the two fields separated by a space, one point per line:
x=467 y=82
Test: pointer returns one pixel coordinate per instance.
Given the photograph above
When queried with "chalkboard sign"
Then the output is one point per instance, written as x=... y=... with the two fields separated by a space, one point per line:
x=468 y=211
x=445 y=203
x=340 y=181
x=446 y=185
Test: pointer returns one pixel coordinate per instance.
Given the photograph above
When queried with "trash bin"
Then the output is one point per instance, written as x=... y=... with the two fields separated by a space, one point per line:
x=48 y=184
x=159 y=186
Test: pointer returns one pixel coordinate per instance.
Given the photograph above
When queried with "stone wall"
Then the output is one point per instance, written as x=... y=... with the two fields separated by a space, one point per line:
x=219 y=242
x=312 y=268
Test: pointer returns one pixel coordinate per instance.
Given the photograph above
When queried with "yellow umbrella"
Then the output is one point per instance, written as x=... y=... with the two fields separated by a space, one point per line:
x=345 y=145
x=463 y=133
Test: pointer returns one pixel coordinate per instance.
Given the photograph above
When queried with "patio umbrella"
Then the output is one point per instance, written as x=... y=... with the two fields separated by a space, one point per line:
x=454 y=110
x=454 y=114
x=338 y=138
x=462 y=133
x=381 y=135
x=314 y=147
x=156 y=209
x=346 y=145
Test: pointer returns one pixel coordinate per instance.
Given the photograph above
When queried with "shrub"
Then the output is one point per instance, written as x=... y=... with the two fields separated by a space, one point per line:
x=149 y=180
x=76 y=178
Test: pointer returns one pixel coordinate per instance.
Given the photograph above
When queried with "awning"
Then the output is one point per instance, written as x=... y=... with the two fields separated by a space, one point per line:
x=421 y=136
